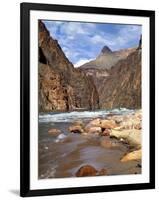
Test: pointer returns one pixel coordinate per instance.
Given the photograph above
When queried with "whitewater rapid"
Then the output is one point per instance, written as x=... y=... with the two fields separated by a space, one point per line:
x=77 y=115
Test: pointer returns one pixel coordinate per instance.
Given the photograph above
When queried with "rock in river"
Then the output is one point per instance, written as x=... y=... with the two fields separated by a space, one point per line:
x=134 y=155
x=95 y=122
x=94 y=130
x=86 y=170
x=132 y=136
x=54 y=131
x=106 y=132
x=76 y=129
x=109 y=124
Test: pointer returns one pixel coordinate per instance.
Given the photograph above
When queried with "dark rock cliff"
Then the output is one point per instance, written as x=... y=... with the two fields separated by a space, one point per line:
x=122 y=88
x=61 y=86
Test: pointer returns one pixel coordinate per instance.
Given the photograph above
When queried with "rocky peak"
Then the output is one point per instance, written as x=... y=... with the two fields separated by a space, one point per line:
x=105 y=50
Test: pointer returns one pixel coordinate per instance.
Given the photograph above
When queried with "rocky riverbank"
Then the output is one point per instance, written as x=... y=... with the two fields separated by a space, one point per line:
x=127 y=129
x=104 y=145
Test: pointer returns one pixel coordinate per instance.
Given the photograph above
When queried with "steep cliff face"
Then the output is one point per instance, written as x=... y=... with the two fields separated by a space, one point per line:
x=61 y=86
x=122 y=88
x=97 y=76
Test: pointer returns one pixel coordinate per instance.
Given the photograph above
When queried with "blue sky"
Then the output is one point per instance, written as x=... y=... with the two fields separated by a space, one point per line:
x=82 y=41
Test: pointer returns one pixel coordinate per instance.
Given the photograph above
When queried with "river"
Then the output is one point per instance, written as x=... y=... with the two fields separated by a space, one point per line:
x=61 y=156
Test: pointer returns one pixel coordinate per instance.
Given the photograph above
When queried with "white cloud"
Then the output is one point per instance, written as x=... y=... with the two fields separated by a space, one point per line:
x=128 y=34
x=124 y=36
x=72 y=29
x=103 y=40
x=97 y=39
x=81 y=62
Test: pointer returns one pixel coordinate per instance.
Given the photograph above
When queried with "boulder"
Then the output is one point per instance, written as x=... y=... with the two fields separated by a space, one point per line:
x=134 y=155
x=132 y=136
x=106 y=132
x=131 y=123
x=76 y=129
x=94 y=130
x=108 y=124
x=117 y=118
x=138 y=114
x=100 y=125
x=138 y=126
x=95 y=122
x=86 y=170
x=54 y=131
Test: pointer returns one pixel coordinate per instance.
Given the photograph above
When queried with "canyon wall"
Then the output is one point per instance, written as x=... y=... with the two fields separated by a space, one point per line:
x=61 y=86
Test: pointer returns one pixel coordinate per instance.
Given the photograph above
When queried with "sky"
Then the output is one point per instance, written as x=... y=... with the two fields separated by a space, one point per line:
x=82 y=42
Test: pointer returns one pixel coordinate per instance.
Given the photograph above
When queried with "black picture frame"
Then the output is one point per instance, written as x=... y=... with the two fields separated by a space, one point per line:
x=25 y=9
